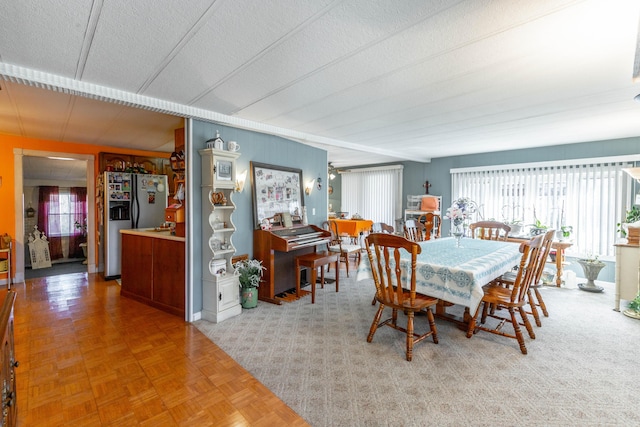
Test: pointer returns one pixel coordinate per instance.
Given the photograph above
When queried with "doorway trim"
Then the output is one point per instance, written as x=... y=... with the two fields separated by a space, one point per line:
x=18 y=154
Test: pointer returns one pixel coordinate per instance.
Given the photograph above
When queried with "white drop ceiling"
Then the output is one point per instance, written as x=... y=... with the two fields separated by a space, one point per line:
x=370 y=81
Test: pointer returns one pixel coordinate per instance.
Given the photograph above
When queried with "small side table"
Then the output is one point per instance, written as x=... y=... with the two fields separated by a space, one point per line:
x=557 y=245
x=7 y=256
x=560 y=247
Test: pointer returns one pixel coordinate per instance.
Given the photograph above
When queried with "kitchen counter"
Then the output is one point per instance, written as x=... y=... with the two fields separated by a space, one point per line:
x=151 y=232
x=153 y=269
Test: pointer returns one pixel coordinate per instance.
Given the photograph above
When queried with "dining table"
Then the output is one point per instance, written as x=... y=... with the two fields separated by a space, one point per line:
x=455 y=275
x=353 y=227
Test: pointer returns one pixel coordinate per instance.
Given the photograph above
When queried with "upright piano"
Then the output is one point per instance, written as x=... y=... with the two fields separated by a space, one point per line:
x=277 y=248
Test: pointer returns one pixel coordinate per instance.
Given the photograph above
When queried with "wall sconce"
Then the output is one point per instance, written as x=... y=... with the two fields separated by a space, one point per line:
x=240 y=180
x=319 y=183
x=309 y=187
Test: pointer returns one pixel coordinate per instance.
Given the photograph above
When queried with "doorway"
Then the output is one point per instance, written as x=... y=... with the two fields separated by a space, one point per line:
x=58 y=169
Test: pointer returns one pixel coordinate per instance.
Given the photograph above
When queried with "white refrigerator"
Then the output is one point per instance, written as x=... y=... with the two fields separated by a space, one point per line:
x=131 y=201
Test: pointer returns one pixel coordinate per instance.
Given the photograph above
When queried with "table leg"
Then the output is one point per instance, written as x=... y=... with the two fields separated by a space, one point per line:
x=559 y=261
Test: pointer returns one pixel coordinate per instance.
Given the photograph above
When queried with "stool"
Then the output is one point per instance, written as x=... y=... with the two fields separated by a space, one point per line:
x=312 y=261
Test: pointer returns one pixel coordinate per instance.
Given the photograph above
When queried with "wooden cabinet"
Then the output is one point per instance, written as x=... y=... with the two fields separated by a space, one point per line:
x=627 y=272
x=5 y=264
x=153 y=270
x=8 y=364
x=221 y=289
x=120 y=162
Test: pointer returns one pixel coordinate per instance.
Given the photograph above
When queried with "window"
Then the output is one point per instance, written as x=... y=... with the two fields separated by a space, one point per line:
x=589 y=196
x=61 y=222
x=373 y=193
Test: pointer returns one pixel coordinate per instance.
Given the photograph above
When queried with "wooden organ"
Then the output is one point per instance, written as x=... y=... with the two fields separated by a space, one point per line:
x=277 y=248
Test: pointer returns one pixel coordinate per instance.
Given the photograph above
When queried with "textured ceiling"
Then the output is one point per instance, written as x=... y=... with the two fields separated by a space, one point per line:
x=371 y=81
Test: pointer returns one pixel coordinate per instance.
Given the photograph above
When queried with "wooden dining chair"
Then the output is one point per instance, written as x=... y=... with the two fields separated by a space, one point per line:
x=413 y=230
x=512 y=299
x=396 y=289
x=381 y=227
x=533 y=295
x=428 y=222
x=339 y=246
x=490 y=230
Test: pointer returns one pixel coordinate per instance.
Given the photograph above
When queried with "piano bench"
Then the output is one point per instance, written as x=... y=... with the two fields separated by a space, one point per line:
x=313 y=261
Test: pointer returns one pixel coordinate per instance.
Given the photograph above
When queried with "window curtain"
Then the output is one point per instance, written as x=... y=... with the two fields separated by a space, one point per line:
x=591 y=198
x=78 y=213
x=49 y=219
x=373 y=193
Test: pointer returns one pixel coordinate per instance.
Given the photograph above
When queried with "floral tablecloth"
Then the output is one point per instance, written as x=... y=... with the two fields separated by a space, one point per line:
x=456 y=275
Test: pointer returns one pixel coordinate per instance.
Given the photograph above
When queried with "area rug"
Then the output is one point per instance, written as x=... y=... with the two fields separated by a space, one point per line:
x=581 y=370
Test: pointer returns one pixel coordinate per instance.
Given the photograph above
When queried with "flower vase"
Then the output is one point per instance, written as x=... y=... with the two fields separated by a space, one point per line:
x=458 y=231
x=249 y=297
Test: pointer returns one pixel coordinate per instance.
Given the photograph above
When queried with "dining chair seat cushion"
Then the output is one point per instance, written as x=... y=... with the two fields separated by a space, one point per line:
x=345 y=248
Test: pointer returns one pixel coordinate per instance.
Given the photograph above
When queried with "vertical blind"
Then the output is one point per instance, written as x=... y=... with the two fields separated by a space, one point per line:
x=373 y=193
x=591 y=198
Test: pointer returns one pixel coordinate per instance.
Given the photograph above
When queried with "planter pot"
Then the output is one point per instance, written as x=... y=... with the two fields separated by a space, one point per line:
x=591 y=270
x=249 y=297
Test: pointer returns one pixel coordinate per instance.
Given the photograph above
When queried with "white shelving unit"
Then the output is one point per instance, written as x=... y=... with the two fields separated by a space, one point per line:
x=413 y=210
x=220 y=287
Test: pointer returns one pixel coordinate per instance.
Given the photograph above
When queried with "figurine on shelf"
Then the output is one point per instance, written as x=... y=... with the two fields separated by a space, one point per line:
x=216 y=143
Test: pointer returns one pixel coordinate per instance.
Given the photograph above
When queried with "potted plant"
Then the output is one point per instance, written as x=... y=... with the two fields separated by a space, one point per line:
x=516 y=227
x=634 y=308
x=566 y=231
x=632 y=215
x=249 y=273
x=591 y=267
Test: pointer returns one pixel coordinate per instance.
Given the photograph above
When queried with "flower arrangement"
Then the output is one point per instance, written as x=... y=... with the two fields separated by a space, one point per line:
x=461 y=209
x=249 y=272
x=82 y=227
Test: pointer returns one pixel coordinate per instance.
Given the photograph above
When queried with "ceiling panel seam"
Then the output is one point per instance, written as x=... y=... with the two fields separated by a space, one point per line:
x=266 y=50
x=407 y=66
x=15 y=109
x=87 y=41
x=180 y=45
x=345 y=57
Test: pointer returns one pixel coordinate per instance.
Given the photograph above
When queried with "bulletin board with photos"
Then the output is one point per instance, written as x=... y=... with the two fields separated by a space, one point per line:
x=276 y=189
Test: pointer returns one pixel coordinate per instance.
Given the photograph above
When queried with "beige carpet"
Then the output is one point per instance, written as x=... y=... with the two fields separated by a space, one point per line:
x=581 y=370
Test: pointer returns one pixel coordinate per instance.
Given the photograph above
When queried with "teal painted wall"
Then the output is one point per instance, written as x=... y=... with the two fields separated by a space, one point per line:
x=261 y=148
x=437 y=171
x=438 y=175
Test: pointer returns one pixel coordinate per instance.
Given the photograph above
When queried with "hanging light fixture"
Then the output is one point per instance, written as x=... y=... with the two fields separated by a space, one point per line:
x=331 y=171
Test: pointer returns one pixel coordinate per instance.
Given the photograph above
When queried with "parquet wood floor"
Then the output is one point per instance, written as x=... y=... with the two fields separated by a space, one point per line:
x=89 y=357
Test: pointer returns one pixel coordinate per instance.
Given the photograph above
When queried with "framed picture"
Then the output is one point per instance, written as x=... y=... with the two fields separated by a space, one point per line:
x=224 y=170
x=276 y=190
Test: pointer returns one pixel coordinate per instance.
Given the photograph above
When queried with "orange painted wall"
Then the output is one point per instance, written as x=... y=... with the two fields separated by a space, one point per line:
x=7 y=170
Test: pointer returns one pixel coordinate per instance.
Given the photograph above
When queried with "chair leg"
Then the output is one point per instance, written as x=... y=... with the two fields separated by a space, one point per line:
x=409 y=335
x=541 y=302
x=485 y=308
x=376 y=321
x=337 y=275
x=518 y=332
x=534 y=309
x=346 y=262
x=394 y=317
x=297 y=278
x=321 y=276
x=527 y=324
x=313 y=285
x=432 y=325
